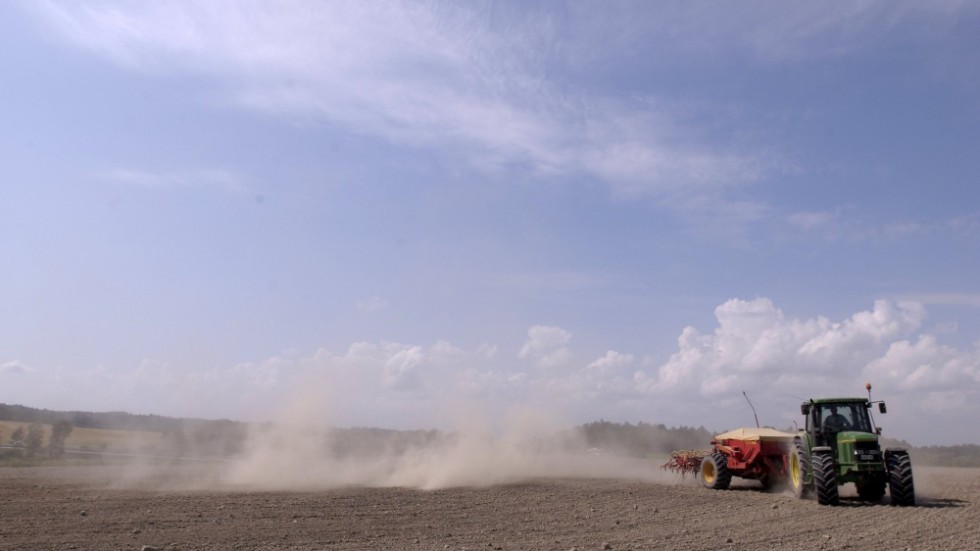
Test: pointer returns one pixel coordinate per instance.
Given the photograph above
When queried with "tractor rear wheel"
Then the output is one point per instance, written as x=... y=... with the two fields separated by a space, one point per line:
x=714 y=472
x=900 y=484
x=799 y=465
x=825 y=479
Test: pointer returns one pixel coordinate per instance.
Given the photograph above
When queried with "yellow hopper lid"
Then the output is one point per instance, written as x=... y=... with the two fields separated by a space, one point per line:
x=753 y=434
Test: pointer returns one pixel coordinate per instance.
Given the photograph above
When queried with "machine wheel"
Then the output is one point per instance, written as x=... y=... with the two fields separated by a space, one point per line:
x=871 y=490
x=799 y=465
x=714 y=472
x=900 y=484
x=825 y=479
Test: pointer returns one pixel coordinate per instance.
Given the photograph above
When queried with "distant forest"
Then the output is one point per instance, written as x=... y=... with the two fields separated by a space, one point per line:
x=84 y=419
x=222 y=438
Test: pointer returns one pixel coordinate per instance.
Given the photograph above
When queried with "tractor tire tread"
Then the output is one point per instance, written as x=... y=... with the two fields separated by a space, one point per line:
x=825 y=479
x=900 y=483
x=799 y=449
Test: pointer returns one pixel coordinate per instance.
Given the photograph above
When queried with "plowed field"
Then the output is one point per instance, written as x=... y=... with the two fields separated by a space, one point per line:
x=90 y=508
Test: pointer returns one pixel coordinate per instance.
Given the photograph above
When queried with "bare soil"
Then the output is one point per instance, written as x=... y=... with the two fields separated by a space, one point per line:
x=94 y=508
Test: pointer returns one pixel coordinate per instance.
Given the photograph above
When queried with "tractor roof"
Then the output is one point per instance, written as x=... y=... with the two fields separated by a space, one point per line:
x=838 y=400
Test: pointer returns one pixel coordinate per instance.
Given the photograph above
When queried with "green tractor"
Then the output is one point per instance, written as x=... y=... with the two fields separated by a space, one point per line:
x=839 y=445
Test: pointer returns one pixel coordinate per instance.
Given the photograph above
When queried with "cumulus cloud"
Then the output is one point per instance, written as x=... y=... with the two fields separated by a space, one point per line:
x=924 y=365
x=15 y=367
x=753 y=346
x=547 y=346
x=611 y=360
x=399 y=370
x=487 y=350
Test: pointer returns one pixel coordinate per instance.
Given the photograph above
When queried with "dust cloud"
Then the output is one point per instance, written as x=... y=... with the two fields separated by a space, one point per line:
x=482 y=450
x=296 y=457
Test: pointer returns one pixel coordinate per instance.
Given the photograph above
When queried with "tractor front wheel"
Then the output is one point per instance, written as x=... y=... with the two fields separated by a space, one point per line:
x=900 y=484
x=714 y=472
x=825 y=479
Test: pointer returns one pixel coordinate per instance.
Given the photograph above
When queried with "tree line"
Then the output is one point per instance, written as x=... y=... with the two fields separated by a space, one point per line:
x=182 y=437
x=86 y=419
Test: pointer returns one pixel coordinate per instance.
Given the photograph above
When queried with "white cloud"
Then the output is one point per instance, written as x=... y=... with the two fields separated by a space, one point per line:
x=14 y=367
x=925 y=366
x=547 y=346
x=487 y=350
x=611 y=360
x=400 y=369
x=852 y=337
x=755 y=346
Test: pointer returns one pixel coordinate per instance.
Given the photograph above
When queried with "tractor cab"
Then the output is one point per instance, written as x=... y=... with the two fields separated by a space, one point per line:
x=827 y=418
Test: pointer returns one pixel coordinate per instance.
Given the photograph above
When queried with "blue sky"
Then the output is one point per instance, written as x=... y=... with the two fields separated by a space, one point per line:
x=631 y=211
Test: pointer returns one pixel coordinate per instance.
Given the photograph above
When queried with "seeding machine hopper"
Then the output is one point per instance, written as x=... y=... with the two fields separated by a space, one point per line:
x=753 y=453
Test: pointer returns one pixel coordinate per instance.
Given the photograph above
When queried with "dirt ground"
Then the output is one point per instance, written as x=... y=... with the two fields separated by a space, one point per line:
x=90 y=508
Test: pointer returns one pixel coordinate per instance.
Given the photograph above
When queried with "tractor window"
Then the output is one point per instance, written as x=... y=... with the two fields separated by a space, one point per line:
x=859 y=418
x=840 y=417
x=833 y=418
